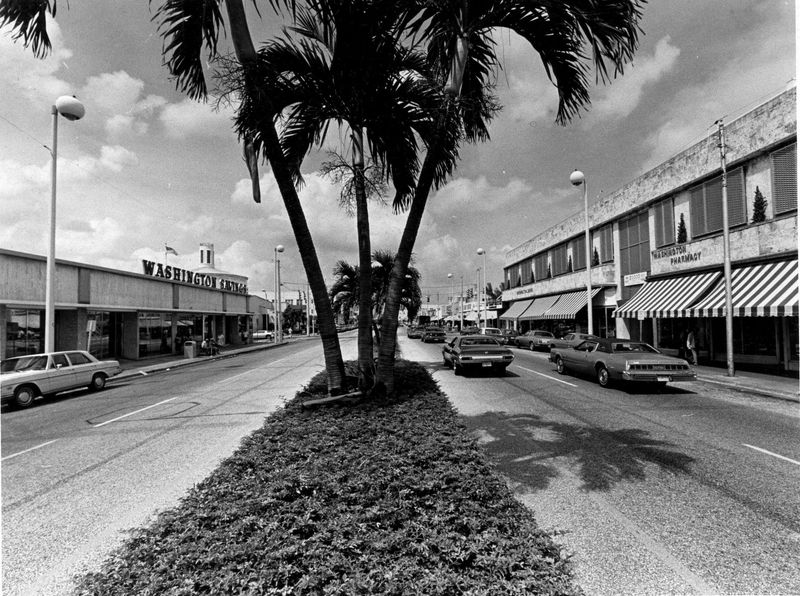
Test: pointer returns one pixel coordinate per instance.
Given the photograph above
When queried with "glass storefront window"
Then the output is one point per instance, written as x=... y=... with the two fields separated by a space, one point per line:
x=24 y=333
x=155 y=333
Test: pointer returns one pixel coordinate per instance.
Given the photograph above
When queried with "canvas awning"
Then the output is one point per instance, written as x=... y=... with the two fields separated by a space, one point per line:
x=538 y=308
x=765 y=290
x=668 y=298
x=568 y=305
x=515 y=310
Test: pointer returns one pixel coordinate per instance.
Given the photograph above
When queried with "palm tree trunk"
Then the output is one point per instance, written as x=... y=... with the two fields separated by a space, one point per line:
x=366 y=363
x=334 y=364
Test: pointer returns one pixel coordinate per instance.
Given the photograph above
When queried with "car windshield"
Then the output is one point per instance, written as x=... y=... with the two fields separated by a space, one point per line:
x=633 y=346
x=492 y=331
x=479 y=341
x=24 y=363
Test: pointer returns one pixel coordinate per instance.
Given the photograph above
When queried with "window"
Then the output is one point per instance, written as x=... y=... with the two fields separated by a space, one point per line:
x=665 y=223
x=60 y=360
x=527 y=271
x=540 y=266
x=24 y=333
x=706 y=204
x=784 y=179
x=77 y=358
x=579 y=253
x=634 y=244
x=605 y=235
x=560 y=259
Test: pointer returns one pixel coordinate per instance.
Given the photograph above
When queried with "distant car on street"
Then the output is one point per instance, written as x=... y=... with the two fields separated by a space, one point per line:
x=476 y=352
x=433 y=334
x=413 y=332
x=621 y=359
x=470 y=330
x=570 y=340
x=25 y=378
x=535 y=339
x=263 y=334
x=491 y=332
x=507 y=336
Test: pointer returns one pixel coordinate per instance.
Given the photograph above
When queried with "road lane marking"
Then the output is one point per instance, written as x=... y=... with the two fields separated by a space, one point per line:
x=135 y=412
x=28 y=450
x=546 y=376
x=794 y=461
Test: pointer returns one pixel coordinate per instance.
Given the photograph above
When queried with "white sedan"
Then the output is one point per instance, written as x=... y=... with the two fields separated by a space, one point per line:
x=26 y=377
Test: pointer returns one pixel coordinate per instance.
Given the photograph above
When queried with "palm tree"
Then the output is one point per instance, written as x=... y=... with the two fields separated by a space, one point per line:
x=348 y=66
x=568 y=35
x=188 y=26
x=344 y=289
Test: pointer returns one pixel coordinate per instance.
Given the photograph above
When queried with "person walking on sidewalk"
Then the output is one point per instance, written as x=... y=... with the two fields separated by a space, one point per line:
x=690 y=347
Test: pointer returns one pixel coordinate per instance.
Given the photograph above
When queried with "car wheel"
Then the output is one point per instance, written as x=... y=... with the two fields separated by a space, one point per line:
x=98 y=382
x=24 y=396
x=457 y=370
x=560 y=366
x=602 y=376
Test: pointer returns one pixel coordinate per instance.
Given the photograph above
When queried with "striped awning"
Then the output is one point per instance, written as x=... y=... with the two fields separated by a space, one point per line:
x=515 y=310
x=538 y=308
x=765 y=290
x=568 y=305
x=668 y=298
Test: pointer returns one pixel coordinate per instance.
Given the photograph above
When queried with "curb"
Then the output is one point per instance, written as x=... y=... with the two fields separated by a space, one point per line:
x=776 y=394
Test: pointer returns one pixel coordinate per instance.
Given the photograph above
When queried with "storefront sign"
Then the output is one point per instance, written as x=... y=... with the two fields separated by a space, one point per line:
x=676 y=255
x=190 y=277
x=635 y=279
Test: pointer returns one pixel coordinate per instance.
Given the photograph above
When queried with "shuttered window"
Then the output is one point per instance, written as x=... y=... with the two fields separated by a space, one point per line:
x=634 y=244
x=560 y=259
x=527 y=271
x=540 y=266
x=665 y=223
x=784 y=179
x=579 y=253
x=706 y=204
x=606 y=236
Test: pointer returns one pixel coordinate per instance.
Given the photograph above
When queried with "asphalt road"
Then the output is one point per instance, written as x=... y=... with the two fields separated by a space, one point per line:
x=79 y=470
x=675 y=491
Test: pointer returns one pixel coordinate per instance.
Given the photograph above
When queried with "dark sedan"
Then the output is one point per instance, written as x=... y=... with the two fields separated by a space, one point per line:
x=621 y=359
x=478 y=352
x=535 y=339
x=413 y=332
x=507 y=336
x=433 y=334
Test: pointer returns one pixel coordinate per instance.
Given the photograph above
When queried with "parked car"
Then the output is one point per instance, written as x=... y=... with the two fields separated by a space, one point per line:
x=621 y=359
x=263 y=334
x=535 y=339
x=413 y=332
x=476 y=352
x=507 y=336
x=570 y=340
x=26 y=377
x=490 y=331
x=469 y=330
x=433 y=334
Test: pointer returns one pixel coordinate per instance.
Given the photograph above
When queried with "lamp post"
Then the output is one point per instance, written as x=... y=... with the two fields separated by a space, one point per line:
x=726 y=254
x=452 y=298
x=71 y=109
x=577 y=178
x=483 y=289
x=461 y=306
x=278 y=325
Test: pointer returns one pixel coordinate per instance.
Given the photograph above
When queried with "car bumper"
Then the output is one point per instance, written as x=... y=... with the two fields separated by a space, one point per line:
x=666 y=377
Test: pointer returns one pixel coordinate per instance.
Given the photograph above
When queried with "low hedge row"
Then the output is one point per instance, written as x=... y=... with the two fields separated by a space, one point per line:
x=373 y=498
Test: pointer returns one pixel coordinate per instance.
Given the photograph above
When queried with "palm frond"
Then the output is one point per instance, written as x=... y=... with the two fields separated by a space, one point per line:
x=27 y=19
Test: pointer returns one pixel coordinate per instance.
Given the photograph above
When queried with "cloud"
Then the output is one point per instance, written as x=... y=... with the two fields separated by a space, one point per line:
x=192 y=118
x=477 y=195
x=620 y=98
x=116 y=157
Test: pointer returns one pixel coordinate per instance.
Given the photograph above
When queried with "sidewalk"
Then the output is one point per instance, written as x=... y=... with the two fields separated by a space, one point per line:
x=775 y=386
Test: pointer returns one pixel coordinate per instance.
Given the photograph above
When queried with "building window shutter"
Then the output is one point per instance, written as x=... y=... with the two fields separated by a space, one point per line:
x=579 y=253
x=665 y=223
x=784 y=179
x=737 y=210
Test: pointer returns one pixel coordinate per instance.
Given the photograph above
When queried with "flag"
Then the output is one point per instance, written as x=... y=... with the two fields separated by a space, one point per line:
x=170 y=251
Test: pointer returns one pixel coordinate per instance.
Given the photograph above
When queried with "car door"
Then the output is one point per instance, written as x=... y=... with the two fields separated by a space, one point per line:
x=586 y=356
x=83 y=367
x=448 y=347
x=574 y=357
x=60 y=374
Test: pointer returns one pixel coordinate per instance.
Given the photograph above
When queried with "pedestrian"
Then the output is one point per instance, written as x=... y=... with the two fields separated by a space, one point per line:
x=682 y=344
x=690 y=347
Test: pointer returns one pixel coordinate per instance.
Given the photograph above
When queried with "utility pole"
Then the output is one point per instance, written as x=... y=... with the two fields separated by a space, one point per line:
x=726 y=249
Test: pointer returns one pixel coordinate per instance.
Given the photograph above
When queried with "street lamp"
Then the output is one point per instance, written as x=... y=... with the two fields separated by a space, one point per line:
x=266 y=301
x=577 y=178
x=483 y=289
x=452 y=298
x=278 y=326
x=71 y=109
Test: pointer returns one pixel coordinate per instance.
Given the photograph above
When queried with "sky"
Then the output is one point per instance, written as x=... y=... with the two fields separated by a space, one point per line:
x=146 y=166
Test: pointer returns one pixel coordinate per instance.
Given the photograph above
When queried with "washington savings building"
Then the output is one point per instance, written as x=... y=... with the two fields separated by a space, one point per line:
x=120 y=314
x=657 y=251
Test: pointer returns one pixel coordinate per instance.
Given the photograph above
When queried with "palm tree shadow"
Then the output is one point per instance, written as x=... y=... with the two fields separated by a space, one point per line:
x=526 y=447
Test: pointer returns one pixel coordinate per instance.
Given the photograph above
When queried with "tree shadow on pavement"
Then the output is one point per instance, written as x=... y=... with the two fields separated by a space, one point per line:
x=529 y=451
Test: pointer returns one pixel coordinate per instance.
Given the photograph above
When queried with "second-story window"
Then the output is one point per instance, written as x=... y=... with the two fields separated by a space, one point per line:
x=706 y=204
x=606 y=242
x=579 y=253
x=540 y=266
x=527 y=271
x=560 y=259
x=634 y=244
x=784 y=179
x=665 y=223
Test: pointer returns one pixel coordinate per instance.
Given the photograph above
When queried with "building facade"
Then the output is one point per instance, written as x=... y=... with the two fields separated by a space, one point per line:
x=119 y=314
x=657 y=254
